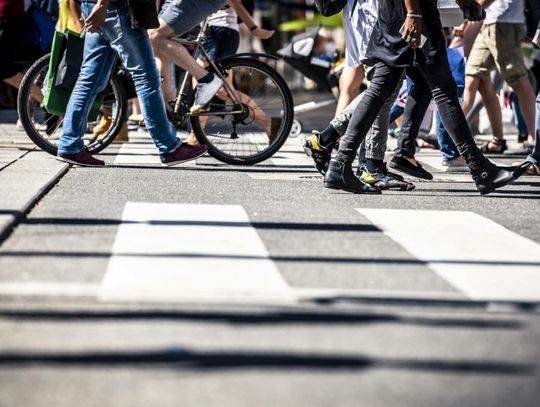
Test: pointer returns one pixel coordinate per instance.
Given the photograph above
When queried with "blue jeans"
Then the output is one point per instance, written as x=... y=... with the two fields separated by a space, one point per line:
x=100 y=50
x=535 y=156
x=449 y=150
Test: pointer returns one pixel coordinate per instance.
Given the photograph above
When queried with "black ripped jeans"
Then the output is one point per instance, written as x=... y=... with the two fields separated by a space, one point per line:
x=444 y=91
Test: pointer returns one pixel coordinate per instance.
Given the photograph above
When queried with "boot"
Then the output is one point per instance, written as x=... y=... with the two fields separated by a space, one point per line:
x=488 y=177
x=340 y=175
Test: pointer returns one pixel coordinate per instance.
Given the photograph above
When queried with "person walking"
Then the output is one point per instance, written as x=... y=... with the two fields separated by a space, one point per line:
x=109 y=35
x=498 y=45
x=394 y=45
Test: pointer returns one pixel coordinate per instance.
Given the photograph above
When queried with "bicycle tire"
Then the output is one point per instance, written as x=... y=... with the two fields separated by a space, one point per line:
x=268 y=83
x=30 y=112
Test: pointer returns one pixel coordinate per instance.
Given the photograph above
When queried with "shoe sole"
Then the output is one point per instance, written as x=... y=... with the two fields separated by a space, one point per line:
x=354 y=191
x=72 y=162
x=173 y=163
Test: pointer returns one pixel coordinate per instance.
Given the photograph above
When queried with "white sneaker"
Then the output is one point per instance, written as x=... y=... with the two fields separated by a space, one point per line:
x=204 y=92
x=455 y=165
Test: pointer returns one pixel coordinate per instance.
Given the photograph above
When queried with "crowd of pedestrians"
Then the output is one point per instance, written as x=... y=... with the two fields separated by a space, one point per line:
x=385 y=37
x=387 y=41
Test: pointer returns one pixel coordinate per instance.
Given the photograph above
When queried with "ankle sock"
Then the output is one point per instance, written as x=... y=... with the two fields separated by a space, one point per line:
x=328 y=136
x=207 y=78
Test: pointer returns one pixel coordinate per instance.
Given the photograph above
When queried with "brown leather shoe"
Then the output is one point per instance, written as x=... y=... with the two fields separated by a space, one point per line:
x=82 y=158
x=184 y=153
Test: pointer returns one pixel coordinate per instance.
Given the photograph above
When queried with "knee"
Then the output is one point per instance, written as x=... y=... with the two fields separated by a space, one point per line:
x=157 y=40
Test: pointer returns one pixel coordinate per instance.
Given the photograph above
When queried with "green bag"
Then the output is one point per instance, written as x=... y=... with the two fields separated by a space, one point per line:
x=56 y=98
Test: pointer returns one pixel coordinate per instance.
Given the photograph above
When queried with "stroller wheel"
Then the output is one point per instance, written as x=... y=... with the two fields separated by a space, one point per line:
x=296 y=128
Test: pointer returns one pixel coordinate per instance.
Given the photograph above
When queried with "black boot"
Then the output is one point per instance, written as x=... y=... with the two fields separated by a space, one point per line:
x=340 y=175
x=488 y=177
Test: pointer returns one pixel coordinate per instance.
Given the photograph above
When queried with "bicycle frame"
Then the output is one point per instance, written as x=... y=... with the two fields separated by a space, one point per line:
x=182 y=92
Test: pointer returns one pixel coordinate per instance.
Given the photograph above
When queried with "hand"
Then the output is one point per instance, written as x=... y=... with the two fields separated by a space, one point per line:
x=412 y=30
x=97 y=17
x=262 y=34
x=458 y=31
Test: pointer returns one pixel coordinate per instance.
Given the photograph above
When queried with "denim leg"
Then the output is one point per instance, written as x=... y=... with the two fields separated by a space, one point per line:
x=444 y=90
x=535 y=156
x=417 y=104
x=378 y=134
x=135 y=52
x=448 y=148
x=384 y=82
x=341 y=121
x=97 y=64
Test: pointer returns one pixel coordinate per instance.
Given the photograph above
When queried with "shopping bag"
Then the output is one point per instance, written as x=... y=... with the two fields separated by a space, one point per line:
x=69 y=66
x=55 y=98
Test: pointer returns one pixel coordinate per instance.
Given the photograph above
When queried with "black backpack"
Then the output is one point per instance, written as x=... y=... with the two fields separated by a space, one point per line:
x=330 y=7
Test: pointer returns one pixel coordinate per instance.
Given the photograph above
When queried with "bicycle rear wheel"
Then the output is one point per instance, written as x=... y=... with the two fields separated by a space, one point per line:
x=44 y=129
x=256 y=135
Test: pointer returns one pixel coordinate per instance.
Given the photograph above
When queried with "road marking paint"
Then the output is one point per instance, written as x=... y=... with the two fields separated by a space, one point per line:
x=168 y=252
x=479 y=257
x=139 y=150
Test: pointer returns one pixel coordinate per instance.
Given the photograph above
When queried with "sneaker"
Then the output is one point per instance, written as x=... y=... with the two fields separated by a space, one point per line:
x=488 y=177
x=83 y=158
x=184 y=153
x=455 y=165
x=384 y=179
x=204 y=92
x=321 y=155
x=341 y=176
x=404 y=165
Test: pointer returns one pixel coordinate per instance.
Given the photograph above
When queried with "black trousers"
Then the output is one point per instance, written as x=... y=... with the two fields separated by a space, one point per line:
x=438 y=78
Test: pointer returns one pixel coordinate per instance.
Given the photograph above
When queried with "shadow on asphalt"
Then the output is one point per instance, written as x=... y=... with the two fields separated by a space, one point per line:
x=228 y=360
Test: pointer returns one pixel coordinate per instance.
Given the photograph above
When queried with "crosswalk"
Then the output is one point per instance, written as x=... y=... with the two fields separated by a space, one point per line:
x=167 y=252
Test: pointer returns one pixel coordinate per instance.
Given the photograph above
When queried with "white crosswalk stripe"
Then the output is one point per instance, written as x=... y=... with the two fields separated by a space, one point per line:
x=479 y=257
x=175 y=252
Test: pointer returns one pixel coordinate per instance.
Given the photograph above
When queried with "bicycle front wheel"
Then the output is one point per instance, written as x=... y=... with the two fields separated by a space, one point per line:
x=44 y=129
x=265 y=122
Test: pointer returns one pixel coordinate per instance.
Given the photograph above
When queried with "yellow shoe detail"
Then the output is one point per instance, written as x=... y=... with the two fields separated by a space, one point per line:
x=314 y=142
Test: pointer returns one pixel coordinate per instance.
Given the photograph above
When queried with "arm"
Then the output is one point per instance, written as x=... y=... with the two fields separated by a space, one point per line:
x=412 y=28
x=97 y=17
x=75 y=12
x=249 y=21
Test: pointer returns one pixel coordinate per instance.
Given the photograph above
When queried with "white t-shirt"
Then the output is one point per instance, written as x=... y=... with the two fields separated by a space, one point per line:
x=505 y=11
x=358 y=27
x=225 y=17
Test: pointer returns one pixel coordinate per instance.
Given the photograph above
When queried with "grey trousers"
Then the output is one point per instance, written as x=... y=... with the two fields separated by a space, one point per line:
x=378 y=133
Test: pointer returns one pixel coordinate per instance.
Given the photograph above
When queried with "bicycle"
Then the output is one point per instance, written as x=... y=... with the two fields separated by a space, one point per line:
x=44 y=128
x=230 y=124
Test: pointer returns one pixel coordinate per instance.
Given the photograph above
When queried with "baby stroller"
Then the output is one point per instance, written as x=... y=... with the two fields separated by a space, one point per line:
x=301 y=53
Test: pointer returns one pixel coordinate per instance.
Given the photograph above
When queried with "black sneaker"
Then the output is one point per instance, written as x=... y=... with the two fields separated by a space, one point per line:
x=321 y=155
x=341 y=176
x=488 y=177
x=186 y=152
x=405 y=166
x=384 y=179
x=83 y=158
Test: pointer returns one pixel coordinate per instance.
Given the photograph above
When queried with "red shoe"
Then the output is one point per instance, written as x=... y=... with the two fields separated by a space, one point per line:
x=186 y=152
x=82 y=158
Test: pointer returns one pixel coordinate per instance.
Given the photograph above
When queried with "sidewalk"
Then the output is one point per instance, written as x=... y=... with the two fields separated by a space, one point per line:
x=25 y=173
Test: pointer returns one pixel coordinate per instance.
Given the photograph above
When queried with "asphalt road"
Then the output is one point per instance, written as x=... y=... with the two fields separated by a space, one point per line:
x=211 y=285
